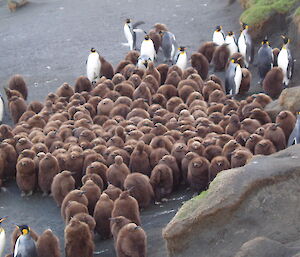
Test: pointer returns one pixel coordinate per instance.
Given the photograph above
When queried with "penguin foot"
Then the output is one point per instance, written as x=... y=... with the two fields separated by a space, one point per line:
x=44 y=194
x=157 y=203
x=23 y=194
x=164 y=199
x=30 y=193
x=3 y=189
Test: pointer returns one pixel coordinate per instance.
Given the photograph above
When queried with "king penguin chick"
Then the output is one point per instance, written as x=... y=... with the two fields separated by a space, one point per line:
x=231 y=41
x=130 y=32
x=2 y=237
x=265 y=58
x=219 y=36
x=285 y=61
x=233 y=77
x=246 y=46
x=181 y=58
x=1 y=110
x=93 y=66
x=25 y=246
x=143 y=62
x=295 y=135
x=147 y=48
x=168 y=45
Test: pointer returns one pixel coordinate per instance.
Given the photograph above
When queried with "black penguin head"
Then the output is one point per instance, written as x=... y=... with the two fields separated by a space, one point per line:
x=147 y=37
x=145 y=62
x=93 y=50
x=24 y=229
x=265 y=41
x=285 y=39
x=128 y=20
x=181 y=48
x=245 y=26
x=218 y=28
x=230 y=33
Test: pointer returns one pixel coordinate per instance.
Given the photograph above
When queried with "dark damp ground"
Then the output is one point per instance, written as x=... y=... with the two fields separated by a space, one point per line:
x=48 y=43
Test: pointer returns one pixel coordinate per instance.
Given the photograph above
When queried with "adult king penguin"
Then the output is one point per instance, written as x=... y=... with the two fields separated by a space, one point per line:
x=143 y=62
x=233 y=77
x=25 y=246
x=219 y=36
x=285 y=61
x=231 y=41
x=246 y=46
x=1 y=110
x=147 y=48
x=130 y=32
x=181 y=59
x=265 y=59
x=295 y=135
x=93 y=65
x=168 y=45
x=2 y=237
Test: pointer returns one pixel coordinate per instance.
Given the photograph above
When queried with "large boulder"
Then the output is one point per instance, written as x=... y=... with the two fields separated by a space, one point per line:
x=289 y=100
x=261 y=199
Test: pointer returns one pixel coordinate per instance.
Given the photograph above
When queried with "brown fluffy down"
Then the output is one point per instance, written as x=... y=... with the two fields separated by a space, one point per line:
x=48 y=245
x=131 y=241
x=78 y=239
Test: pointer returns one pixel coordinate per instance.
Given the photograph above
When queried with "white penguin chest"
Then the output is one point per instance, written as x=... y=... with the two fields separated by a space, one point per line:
x=182 y=61
x=238 y=78
x=242 y=44
x=147 y=48
x=283 y=59
x=2 y=242
x=93 y=66
x=218 y=38
x=231 y=44
x=127 y=33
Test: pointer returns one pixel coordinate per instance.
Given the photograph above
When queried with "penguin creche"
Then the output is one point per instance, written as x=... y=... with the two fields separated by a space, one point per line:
x=233 y=78
x=25 y=246
x=246 y=46
x=265 y=59
x=230 y=40
x=130 y=32
x=181 y=58
x=285 y=61
x=295 y=135
x=219 y=36
x=93 y=66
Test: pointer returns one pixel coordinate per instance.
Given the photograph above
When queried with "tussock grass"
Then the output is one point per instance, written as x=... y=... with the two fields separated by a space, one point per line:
x=259 y=11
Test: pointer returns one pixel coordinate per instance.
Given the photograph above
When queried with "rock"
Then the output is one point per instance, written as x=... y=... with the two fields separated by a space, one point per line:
x=264 y=247
x=273 y=109
x=289 y=99
x=260 y=199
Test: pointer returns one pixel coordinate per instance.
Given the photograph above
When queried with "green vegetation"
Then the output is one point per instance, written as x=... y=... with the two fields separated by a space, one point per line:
x=190 y=206
x=259 y=11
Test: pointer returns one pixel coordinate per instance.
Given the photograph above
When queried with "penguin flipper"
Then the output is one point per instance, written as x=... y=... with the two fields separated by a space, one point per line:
x=139 y=30
x=136 y=24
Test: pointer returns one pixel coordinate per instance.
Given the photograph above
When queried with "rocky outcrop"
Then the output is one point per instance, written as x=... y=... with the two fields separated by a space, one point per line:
x=261 y=199
x=289 y=100
x=265 y=247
